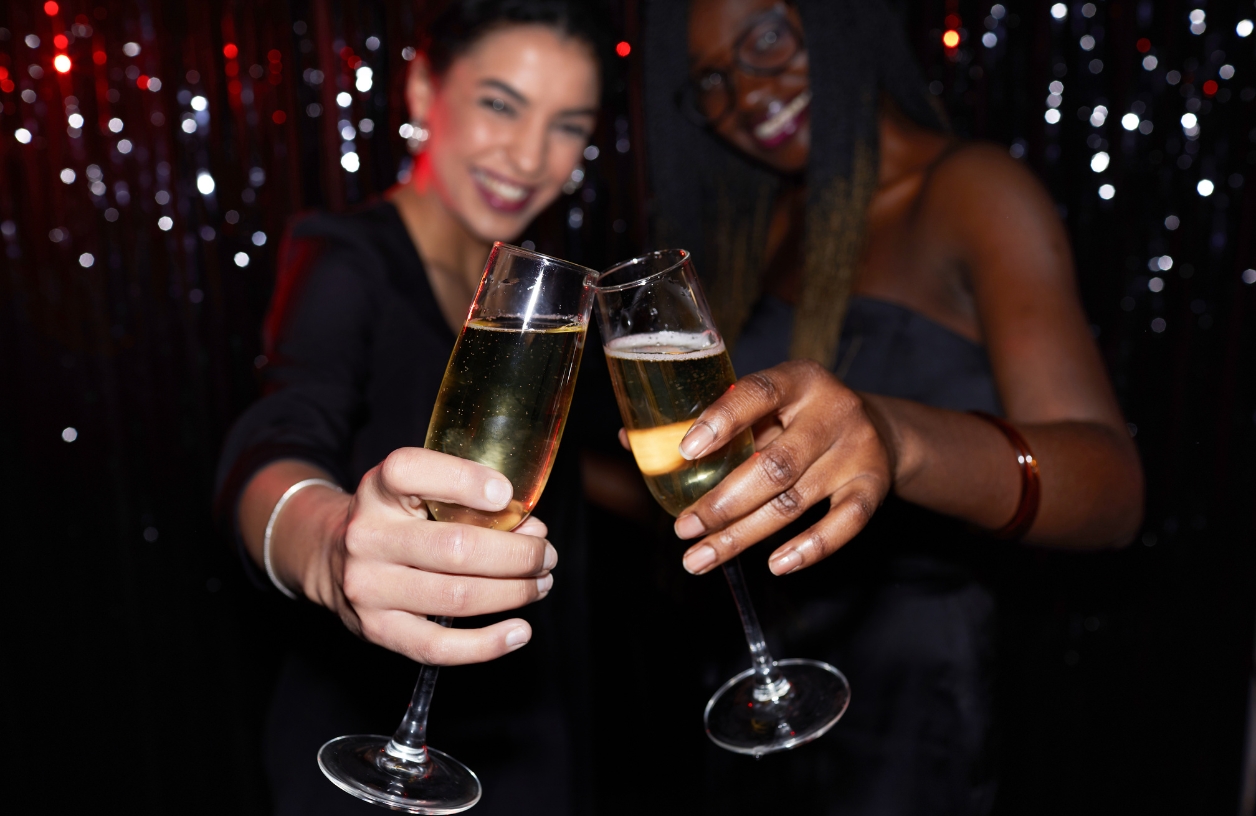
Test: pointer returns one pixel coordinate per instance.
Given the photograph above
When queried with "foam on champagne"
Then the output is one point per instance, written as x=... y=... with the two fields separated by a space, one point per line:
x=673 y=345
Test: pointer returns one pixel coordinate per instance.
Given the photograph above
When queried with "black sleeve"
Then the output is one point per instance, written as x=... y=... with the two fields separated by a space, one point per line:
x=314 y=382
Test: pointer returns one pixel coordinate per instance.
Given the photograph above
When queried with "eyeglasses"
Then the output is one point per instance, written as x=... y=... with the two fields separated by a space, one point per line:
x=765 y=48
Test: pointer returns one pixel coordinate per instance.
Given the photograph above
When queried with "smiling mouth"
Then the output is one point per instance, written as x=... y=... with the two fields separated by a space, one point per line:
x=499 y=193
x=779 y=127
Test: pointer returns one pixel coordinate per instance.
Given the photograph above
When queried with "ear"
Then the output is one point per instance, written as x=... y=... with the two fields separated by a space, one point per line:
x=420 y=89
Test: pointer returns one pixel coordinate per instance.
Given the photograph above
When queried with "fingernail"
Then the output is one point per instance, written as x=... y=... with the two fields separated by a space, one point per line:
x=543 y=584
x=699 y=559
x=689 y=526
x=517 y=636
x=551 y=556
x=785 y=562
x=696 y=441
x=498 y=491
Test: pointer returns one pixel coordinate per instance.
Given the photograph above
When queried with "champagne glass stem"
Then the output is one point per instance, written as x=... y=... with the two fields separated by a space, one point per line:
x=770 y=684
x=409 y=743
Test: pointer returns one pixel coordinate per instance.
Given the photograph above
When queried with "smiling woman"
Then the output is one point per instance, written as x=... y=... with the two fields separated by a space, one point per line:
x=502 y=98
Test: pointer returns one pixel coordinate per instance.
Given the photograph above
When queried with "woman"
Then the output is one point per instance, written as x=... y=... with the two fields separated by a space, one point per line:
x=502 y=102
x=885 y=281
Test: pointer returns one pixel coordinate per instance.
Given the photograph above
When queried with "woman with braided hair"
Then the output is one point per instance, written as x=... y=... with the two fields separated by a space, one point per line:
x=921 y=381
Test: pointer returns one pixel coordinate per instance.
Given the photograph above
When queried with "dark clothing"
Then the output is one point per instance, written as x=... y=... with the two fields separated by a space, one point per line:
x=357 y=349
x=901 y=610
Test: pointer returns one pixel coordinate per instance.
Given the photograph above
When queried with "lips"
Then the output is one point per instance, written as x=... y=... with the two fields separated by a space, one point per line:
x=778 y=128
x=500 y=193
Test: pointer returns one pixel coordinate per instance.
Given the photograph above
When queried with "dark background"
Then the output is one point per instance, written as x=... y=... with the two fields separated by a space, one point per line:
x=138 y=657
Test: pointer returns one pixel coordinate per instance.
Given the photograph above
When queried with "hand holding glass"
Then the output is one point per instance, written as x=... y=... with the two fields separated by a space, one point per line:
x=668 y=363
x=503 y=403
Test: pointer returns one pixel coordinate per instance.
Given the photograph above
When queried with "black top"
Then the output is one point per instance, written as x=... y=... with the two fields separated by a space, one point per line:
x=903 y=609
x=356 y=348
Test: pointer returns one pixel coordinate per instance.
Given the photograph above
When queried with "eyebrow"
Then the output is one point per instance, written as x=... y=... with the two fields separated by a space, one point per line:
x=523 y=100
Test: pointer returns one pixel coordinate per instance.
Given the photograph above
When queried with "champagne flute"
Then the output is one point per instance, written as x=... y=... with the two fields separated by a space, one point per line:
x=503 y=403
x=668 y=363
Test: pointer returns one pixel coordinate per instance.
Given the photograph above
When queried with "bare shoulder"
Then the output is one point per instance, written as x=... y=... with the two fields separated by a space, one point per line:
x=997 y=210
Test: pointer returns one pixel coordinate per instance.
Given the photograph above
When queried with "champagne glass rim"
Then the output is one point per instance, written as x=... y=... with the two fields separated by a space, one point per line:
x=540 y=256
x=681 y=257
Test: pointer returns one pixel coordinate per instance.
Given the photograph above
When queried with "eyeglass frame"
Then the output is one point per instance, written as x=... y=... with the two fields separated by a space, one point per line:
x=685 y=97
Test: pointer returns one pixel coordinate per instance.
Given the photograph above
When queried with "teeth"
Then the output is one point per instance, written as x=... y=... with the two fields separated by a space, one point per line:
x=777 y=124
x=503 y=189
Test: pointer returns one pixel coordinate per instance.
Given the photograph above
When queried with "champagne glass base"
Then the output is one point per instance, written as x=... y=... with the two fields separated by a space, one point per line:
x=816 y=699
x=358 y=765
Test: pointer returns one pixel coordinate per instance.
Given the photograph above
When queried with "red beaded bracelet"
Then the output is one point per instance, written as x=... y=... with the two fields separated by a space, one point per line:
x=1027 y=509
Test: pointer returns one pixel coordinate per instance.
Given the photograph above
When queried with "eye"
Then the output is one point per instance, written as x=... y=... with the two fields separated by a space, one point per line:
x=711 y=82
x=767 y=38
x=498 y=105
x=575 y=130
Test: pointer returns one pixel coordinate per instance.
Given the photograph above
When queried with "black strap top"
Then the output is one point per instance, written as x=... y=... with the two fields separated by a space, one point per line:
x=886 y=349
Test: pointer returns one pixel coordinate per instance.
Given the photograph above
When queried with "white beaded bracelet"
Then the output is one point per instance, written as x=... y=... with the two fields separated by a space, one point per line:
x=270 y=528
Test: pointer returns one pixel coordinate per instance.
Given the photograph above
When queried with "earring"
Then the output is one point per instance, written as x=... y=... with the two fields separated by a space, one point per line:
x=416 y=136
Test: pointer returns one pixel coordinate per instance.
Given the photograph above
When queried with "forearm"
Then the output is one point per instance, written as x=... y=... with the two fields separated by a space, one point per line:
x=305 y=530
x=960 y=465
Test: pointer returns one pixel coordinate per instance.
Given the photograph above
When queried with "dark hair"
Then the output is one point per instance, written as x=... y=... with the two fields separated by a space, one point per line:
x=464 y=22
x=712 y=200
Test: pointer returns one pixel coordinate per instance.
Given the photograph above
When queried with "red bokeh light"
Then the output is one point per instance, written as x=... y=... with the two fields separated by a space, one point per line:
x=4 y=72
x=230 y=51
x=952 y=21
x=1143 y=45
x=51 y=8
x=623 y=49
x=99 y=57
x=951 y=38
x=142 y=82
x=274 y=56
x=234 y=87
x=232 y=69
x=278 y=117
x=62 y=63
x=6 y=85
x=60 y=41
x=1210 y=87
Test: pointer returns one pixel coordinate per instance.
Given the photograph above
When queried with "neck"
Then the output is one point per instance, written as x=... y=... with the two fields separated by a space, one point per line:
x=447 y=247
x=905 y=148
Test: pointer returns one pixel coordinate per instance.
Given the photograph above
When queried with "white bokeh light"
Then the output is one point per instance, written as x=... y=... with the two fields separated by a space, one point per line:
x=1244 y=28
x=69 y=434
x=1100 y=161
x=259 y=238
x=115 y=125
x=1052 y=116
x=205 y=183
x=165 y=223
x=67 y=176
x=343 y=99
x=199 y=103
x=241 y=259
x=1059 y=11
x=86 y=260
x=1098 y=116
x=1106 y=192
x=22 y=135
x=350 y=162
x=1204 y=188
x=1130 y=121
x=75 y=120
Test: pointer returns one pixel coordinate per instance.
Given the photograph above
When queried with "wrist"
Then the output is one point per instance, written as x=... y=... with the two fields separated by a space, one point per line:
x=901 y=443
x=304 y=541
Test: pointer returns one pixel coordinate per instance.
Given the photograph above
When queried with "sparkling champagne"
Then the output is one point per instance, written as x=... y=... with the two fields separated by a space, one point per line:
x=503 y=403
x=663 y=381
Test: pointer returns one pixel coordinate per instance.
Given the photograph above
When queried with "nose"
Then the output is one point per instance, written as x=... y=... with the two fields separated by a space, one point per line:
x=529 y=149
